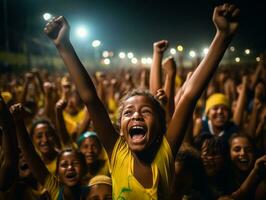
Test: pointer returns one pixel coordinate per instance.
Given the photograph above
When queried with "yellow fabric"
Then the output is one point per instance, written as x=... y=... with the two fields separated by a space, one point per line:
x=7 y=96
x=216 y=99
x=125 y=186
x=52 y=186
x=52 y=166
x=100 y=179
x=72 y=121
x=104 y=166
x=112 y=105
x=178 y=81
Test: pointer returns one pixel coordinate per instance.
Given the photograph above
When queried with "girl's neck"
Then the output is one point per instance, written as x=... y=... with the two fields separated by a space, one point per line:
x=49 y=157
x=93 y=168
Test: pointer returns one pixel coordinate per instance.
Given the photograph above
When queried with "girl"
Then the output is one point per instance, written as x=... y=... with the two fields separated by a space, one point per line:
x=43 y=137
x=141 y=155
x=248 y=173
x=96 y=157
x=70 y=165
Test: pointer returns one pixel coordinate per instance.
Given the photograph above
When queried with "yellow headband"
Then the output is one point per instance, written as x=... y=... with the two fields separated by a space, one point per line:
x=100 y=179
x=216 y=99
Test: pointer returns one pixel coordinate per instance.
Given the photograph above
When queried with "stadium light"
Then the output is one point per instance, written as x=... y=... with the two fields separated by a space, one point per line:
x=47 y=16
x=192 y=54
x=96 y=43
x=81 y=32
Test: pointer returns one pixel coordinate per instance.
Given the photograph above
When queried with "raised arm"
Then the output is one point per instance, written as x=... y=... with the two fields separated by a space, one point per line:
x=34 y=161
x=8 y=166
x=169 y=86
x=60 y=123
x=156 y=66
x=58 y=31
x=241 y=102
x=224 y=18
x=252 y=181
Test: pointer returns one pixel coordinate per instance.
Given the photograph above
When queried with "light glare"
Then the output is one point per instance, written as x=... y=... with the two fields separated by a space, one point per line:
x=81 y=32
x=192 y=54
x=47 y=16
x=96 y=43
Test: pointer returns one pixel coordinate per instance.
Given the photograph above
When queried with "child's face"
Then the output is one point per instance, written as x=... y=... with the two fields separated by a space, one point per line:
x=43 y=139
x=100 y=192
x=218 y=115
x=241 y=153
x=91 y=149
x=139 y=123
x=23 y=168
x=69 y=169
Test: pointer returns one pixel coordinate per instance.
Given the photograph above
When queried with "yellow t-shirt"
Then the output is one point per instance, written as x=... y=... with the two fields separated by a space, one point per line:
x=52 y=185
x=52 y=166
x=126 y=186
x=72 y=121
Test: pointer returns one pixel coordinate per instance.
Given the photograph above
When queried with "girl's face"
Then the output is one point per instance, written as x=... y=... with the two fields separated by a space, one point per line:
x=23 y=168
x=213 y=163
x=218 y=115
x=91 y=148
x=69 y=169
x=43 y=138
x=100 y=192
x=242 y=154
x=139 y=123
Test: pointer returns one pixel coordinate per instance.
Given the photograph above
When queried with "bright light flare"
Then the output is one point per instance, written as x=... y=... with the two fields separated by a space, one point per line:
x=205 y=51
x=107 y=61
x=144 y=61
x=232 y=49
x=237 y=59
x=180 y=48
x=192 y=54
x=149 y=60
x=130 y=55
x=134 y=60
x=47 y=16
x=258 y=59
x=122 y=55
x=81 y=32
x=247 y=51
x=96 y=43
x=172 y=51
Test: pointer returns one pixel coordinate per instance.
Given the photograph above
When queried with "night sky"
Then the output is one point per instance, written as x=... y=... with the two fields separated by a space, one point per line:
x=135 y=24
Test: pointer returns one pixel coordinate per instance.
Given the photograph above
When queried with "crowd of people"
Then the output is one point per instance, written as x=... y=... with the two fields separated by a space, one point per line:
x=163 y=133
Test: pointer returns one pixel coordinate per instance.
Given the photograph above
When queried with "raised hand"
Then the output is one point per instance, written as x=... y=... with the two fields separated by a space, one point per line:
x=260 y=164
x=17 y=111
x=161 y=96
x=169 y=65
x=160 y=46
x=58 y=30
x=61 y=104
x=225 y=18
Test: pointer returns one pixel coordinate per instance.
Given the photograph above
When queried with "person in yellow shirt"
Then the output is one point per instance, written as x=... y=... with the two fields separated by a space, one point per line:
x=143 y=138
x=95 y=154
x=43 y=136
x=70 y=165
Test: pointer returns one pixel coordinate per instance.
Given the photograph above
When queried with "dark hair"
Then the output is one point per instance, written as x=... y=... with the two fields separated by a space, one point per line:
x=80 y=156
x=192 y=164
x=42 y=121
x=243 y=135
x=215 y=145
x=159 y=110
